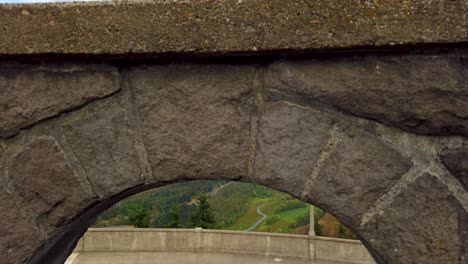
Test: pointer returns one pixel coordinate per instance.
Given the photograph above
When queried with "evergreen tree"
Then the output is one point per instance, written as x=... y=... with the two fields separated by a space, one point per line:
x=174 y=216
x=317 y=228
x=341 y=231
x=203 y=215
x=139 y=217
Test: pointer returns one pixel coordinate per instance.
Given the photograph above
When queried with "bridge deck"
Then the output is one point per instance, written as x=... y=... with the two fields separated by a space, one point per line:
x=146 y=27
x=181 y=257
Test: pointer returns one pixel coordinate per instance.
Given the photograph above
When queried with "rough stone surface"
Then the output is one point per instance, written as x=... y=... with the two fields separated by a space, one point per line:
x=423 y=224
x=421 y=94
x=20 y=237
x=162 y=27
x=29 y=94
x=456 y=161
x=290 y=141
x=360 y=169
x=43 y=178
x=101 y=140
x=195 y=119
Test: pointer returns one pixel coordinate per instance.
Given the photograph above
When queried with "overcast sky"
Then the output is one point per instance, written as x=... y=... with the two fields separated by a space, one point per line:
x=42 y=1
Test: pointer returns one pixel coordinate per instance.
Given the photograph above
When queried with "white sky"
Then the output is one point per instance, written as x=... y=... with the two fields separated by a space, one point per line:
x=42 y=1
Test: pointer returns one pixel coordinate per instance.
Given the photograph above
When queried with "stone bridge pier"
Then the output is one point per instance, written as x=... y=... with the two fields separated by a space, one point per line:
x=359 y=107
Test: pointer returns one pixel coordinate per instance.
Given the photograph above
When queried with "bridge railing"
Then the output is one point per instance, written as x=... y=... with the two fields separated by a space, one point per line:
x=220 y=241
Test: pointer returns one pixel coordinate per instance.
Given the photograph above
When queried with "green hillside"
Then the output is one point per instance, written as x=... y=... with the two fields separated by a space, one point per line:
x=250 y=217
x=233 y=206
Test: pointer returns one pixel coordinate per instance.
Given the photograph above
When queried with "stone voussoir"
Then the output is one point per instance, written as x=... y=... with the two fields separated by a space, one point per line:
x=456 y=161
x=42 y=177
x=423 y=94
x=195 y=119
x=141 y=27
x=20 y=237
x=359 y=170
x=289 y=142
x=412 y=232
x=101 y=139
x=30 y=93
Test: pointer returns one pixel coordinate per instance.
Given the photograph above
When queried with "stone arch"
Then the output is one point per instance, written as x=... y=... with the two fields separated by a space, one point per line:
x=167 y=123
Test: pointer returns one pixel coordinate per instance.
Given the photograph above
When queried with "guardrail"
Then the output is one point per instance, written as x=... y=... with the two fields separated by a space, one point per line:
x=220 y=241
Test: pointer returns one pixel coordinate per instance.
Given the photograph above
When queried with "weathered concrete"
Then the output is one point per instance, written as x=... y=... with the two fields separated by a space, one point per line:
x=342 y=250
x=176 y=26
x=183 y=257
x=217 y=241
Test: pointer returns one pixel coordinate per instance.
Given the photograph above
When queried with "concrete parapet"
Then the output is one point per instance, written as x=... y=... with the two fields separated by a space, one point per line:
x=341 y=250
x=217 y=241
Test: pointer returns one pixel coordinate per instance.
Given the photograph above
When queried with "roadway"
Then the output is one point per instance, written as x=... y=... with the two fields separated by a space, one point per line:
x=264 y=216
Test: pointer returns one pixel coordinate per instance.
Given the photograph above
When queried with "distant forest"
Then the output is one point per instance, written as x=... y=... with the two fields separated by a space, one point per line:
x=231 y=205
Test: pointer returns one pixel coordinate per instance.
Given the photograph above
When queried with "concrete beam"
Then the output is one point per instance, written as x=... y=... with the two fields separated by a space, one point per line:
x=224 y=27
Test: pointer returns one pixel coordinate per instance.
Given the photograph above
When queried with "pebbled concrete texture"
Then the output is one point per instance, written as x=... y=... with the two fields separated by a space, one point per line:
x=212 y=27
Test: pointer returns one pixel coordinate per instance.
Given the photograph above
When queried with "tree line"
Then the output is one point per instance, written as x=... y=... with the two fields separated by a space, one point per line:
x=202 y=216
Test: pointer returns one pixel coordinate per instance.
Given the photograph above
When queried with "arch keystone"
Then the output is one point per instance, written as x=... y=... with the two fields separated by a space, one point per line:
x=195 y=119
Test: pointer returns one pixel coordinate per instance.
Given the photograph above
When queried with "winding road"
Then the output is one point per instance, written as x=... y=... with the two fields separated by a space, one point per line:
x=264 y=216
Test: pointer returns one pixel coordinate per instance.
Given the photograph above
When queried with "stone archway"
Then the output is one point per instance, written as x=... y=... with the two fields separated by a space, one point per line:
x=96 y=134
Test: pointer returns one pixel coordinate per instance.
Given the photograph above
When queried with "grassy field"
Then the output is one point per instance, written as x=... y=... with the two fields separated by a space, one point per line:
x=274 y=204
x=291 y=215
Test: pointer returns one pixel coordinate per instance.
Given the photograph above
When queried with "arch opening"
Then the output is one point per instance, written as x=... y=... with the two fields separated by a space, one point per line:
x=281 y=213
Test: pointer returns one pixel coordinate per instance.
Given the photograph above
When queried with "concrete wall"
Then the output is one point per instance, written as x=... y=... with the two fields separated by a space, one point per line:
x=341 y=250
x=217 y=241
